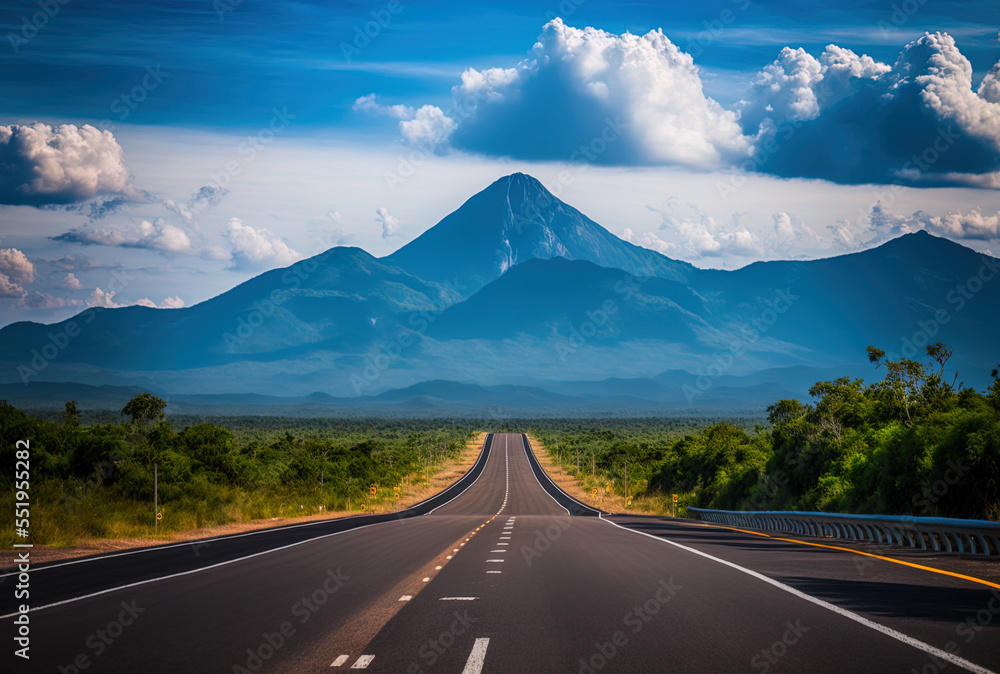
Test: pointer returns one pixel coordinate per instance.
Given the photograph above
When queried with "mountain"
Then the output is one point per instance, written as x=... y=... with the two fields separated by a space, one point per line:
x=909 y=291
x=514 y=220
x=559 y=297
x=340 y=300
x=430 y=398
x=901 y=296
x=517 y=289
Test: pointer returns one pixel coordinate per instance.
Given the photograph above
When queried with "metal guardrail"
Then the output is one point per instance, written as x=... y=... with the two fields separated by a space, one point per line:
x=940 y=534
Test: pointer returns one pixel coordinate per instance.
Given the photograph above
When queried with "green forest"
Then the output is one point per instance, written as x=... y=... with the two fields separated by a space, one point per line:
x=96 y=481
x=911 y=443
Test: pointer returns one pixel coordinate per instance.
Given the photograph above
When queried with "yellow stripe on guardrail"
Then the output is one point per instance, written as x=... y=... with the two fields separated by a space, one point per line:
x=860 y=552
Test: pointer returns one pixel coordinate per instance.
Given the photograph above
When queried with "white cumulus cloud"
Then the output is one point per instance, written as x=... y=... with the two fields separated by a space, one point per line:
x=648 y=240
x=390 y=225
x=789 y=233
x=40 y=164
x=16 y=270
x=692 y=233
x=71 y=282
x=851 y=119
x=427 y=127
x=974 y=224
x=254 y=248
x=106 y=300
x=584 y=94
x=623 y=99
x=167 y=303
x=156 y=235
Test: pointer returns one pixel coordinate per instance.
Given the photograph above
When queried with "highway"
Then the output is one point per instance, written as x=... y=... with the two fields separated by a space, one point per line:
x=502 y=573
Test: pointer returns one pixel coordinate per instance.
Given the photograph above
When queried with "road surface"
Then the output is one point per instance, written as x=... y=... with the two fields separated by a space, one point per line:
x=502 y=573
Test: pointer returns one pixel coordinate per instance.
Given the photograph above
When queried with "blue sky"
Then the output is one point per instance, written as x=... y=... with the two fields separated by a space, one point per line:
x=192 y=145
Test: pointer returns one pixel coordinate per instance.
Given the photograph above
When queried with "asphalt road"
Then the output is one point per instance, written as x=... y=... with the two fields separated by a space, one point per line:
x=503 y=574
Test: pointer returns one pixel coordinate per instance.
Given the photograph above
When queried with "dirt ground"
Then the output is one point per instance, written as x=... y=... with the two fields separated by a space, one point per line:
x=611 y=503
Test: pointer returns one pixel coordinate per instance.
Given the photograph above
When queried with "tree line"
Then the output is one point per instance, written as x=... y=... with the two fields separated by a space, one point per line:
x=911 y=443
x=98 y=480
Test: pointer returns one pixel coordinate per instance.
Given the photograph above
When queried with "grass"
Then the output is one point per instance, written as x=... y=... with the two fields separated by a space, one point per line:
x=581 y=487
x=72 y=522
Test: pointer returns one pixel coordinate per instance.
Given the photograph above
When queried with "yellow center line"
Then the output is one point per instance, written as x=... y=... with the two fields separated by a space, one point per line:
x=865 y=554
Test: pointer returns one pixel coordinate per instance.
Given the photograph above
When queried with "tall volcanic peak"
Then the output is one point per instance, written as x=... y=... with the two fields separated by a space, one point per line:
x=517 y=219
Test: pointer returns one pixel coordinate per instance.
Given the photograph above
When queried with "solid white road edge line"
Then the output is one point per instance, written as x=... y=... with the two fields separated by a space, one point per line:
x=467 y=488
x=190 y=571
x=477 y=658
x=888 y=631
x=213 y=566
x=539 y=481
x=206 y=541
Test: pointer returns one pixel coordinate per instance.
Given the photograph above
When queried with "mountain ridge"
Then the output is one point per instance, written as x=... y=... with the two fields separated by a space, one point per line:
x=540 y=307
x=490 y=233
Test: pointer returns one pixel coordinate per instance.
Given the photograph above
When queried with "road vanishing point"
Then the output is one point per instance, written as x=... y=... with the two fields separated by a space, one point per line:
x=503 y=572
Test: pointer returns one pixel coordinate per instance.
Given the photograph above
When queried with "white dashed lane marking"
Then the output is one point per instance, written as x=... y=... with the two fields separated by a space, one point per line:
x=477 y=658
x=363 y=662
x=341 y=659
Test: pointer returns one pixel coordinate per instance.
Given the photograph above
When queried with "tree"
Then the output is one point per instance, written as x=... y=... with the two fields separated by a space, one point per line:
x=941 y=353
x=994 y=392
x=903 y=379
x=144 y=408
x=785 y=411
x=71 y=417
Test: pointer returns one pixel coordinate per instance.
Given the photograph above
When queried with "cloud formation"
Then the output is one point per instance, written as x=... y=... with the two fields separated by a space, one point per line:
x=75 y=262
x=648 y=240
x=789 y=233
x=688 y=230
x=16 y=270
x=206 y=198
x=42 y=165
x=587 y=94
x=71 y=282
x=36 y=300
x=174 y=302
x=584 y=95
x=390 y=225
x=976 y=225
x=105 y=300
x=849 y=119
x=255 y=248
x=156 y=235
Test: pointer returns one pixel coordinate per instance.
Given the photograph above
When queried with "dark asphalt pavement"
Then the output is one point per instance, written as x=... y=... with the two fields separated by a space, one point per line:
x=503 y=573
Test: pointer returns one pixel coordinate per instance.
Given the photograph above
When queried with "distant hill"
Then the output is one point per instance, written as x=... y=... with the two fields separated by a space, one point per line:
x=518 y=289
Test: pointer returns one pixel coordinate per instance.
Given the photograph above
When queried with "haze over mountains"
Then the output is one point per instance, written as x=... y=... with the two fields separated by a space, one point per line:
x=530 y=305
